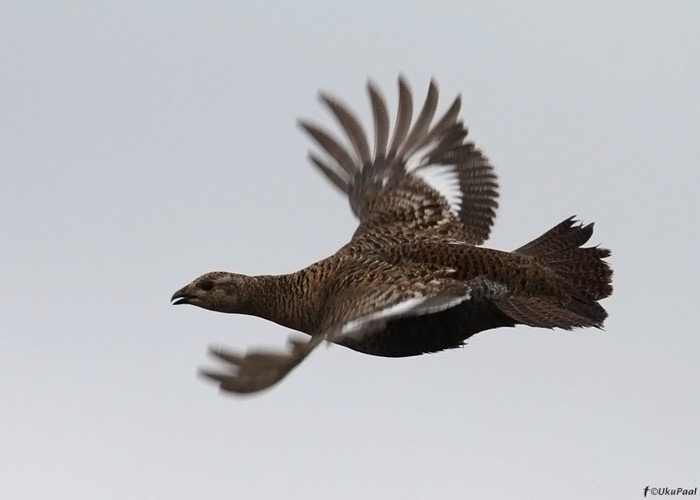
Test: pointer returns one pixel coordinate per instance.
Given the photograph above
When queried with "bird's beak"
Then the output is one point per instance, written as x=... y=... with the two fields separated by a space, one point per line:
x=181 y=297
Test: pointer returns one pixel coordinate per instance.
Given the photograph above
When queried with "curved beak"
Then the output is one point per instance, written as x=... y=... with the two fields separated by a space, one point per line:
x=181 y=297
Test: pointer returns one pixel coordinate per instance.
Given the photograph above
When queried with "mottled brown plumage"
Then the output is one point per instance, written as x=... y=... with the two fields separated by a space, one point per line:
x=412 y=279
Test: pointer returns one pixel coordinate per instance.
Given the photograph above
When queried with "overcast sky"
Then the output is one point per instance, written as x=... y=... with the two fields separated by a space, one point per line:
x=145 y=143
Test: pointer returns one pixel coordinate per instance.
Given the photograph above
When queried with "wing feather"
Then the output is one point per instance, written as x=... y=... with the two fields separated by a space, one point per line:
x=335 y=177
x=381 y=121
x=420 y=127
x=352 y=127
x=404 y=115
x=426 y=176
x=446 y=122
x=332 y=147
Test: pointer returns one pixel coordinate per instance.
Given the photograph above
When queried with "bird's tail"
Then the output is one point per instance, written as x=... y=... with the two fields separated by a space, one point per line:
x=582 y=269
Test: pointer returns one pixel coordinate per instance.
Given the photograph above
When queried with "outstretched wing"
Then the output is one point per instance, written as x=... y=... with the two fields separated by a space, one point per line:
x=258 y=369
x=426 y=175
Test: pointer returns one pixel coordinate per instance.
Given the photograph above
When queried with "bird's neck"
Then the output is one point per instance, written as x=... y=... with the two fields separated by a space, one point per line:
x=291 y=300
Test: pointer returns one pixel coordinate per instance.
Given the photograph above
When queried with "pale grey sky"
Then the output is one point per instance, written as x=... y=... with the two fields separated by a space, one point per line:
x=144 y=143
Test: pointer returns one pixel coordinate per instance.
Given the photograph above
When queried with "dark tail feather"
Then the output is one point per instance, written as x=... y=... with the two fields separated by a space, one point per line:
x=548 y=312
x=582 y=269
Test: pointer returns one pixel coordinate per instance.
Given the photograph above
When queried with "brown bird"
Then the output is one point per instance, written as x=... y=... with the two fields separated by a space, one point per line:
x=412 y=279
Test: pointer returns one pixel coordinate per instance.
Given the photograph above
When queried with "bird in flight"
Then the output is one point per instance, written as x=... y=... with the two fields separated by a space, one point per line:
x=413 y=278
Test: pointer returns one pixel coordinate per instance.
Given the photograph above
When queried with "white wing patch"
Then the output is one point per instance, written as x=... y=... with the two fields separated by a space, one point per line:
x=445 y=180
x=415 y=306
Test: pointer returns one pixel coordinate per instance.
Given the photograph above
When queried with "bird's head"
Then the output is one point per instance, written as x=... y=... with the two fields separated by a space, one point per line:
x=216 y=291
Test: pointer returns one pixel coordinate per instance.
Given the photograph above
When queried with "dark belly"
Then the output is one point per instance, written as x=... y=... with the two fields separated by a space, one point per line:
x=411 y=336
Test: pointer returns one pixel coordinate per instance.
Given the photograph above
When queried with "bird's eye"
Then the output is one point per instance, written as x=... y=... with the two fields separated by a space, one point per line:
x=206 y=285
